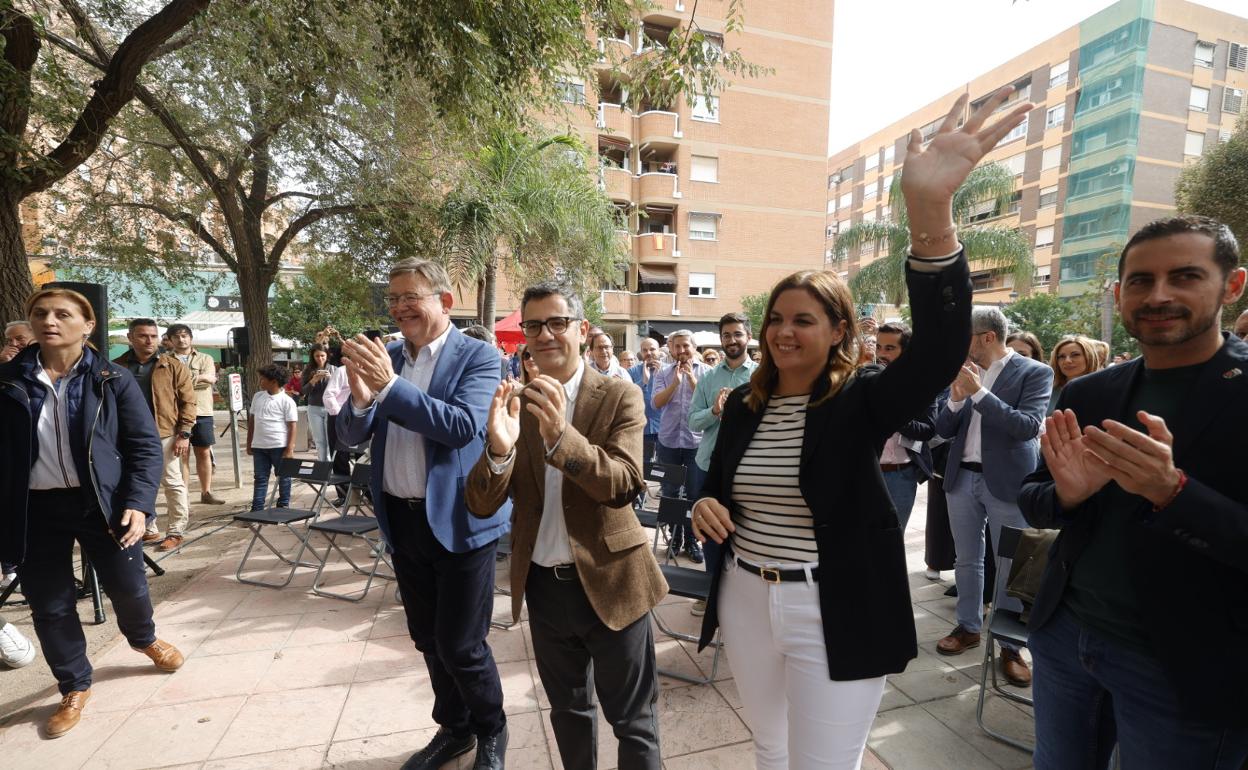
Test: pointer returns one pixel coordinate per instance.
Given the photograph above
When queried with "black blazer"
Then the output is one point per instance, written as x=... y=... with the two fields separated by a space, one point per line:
x=864 y=592
x=1189 y=562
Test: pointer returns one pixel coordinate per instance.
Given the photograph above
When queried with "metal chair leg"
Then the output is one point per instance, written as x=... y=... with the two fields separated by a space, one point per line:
x=257 y=534
x=717 y=643
x=333 y=545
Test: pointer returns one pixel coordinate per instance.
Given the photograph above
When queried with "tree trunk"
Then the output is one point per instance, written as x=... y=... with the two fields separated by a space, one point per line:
x=253 y=288
x=487 y=293
x=481 y=299
x=15 y=283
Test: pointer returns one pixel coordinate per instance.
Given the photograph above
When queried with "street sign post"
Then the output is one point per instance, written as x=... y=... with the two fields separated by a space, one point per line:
x=236 y=406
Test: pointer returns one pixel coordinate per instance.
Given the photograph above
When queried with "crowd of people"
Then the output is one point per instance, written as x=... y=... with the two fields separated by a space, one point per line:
x=802 y=464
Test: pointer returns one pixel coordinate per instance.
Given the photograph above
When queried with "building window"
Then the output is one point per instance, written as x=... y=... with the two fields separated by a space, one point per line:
x=704 y=169
x=1016 y=202
x=831 y=205
x=890 y=153
x=1043 y=275
x=831 y=181
x=869 y=190
x=1055 y=116
x=845 y=201
x=872 y=161
x=1052 y=158
x=703 y=227
x=868 y=216
x=829 y=231
x=1237 y=56
x=847 y=173
x=1018 y=132
x=572 y=93
x=706 y=108
x=1044 y=237
x=886 y=214
x=701 y=284
x=1204 y=54
x=1194 y=144
x=1198 y=101
x=887 y=184
x=842 y=225
x=1048 y=196
x=1058 y=73
x=1232 y=100
x=1016 y=163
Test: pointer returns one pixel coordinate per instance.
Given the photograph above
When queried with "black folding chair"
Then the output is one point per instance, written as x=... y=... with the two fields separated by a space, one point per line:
x=685 y=582
x=1004 y=625
x=311 y=471
x=673 y=512
x=504 y=553
x=670 y=474
x=356 y=522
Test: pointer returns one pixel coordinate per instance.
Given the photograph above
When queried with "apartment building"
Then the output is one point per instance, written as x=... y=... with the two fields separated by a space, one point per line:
x=1124 y=99
x=722 y=198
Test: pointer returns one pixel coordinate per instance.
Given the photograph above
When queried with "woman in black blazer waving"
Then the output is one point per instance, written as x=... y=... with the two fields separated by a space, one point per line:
x=795 y=490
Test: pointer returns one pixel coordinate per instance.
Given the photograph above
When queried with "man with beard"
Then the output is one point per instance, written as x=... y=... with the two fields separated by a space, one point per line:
x=993 y=417
x=905 y=461
x=1143 y=472
x=1241 y=326
x=674 y=386
x=708 y=402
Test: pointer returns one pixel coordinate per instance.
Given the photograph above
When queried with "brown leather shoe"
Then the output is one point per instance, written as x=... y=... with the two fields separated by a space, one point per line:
x=68 y=713
x=1015 y=670
x=957 y=642
x=164 y=655
x=170 y=543
x=151 y=537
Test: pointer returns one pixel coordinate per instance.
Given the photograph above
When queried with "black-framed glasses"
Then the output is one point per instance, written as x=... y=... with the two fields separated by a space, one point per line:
x=407 y=298
x=527 y=356
x=557 y=325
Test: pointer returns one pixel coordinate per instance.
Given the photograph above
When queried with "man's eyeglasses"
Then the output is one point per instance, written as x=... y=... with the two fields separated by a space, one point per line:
x=527 y=356
x=408 y=298
x=557 y=325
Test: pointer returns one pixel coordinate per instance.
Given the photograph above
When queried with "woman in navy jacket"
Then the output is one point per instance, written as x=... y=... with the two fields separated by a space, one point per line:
x=82 y=462
x=811 y=594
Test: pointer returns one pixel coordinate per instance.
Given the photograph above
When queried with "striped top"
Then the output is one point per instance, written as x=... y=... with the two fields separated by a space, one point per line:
x=773 y=523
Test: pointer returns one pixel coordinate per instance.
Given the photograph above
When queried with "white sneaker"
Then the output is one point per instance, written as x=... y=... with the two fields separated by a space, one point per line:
x=932 y=574
x=7 y=580
x=15 y=650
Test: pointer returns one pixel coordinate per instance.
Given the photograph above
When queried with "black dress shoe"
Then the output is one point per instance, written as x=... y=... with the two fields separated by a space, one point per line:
x=694 y=550
x=442 y=749
x=492 y=752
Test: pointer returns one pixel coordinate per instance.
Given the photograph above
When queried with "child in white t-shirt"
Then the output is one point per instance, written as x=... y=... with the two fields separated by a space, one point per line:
x=271 y=435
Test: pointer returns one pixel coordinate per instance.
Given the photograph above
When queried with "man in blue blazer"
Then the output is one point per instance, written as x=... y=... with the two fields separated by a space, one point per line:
x=423 y=401
x=995 y=410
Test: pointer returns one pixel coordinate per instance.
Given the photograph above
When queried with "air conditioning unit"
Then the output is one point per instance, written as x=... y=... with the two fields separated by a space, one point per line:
x=836 y=179
x=1115 y=169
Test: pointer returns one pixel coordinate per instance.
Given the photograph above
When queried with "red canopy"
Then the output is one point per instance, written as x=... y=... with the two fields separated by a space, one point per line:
x=507 y=331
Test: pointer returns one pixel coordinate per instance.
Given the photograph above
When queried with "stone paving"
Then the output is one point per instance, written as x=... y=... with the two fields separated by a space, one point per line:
x=285 y=679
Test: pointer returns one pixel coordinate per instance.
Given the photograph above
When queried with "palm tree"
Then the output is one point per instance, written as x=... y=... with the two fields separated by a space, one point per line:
x=529 y=206
x=995 y=248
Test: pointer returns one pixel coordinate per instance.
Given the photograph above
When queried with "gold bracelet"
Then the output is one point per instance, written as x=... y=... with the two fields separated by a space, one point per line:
x=927 y=240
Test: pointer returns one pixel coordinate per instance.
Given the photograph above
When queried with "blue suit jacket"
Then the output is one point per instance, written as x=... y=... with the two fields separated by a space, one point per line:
x=451 y=416
x=1010 y=419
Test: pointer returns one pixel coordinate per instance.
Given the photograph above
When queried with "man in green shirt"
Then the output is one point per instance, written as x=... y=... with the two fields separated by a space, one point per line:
x=708 y=399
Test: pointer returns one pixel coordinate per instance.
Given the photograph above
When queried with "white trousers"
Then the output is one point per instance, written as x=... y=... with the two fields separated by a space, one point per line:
x=801 y=719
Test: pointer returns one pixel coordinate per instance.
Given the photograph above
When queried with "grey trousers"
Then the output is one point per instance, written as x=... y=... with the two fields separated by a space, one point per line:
x=577 y=654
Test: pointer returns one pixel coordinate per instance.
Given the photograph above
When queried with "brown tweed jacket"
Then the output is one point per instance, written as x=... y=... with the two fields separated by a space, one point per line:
x=600 y=458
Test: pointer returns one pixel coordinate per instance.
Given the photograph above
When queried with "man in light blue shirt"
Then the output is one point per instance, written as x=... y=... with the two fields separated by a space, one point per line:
x=674 y=385
x=643 y=375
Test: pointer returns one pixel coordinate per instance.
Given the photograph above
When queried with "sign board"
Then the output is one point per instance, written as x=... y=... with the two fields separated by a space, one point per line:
x=236 y=392
x=215 y=302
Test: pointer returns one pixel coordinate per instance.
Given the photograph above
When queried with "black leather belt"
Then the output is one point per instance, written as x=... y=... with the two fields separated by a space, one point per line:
x=974 y=467
x=414 y=503
x=564 y=572
x=776 y=575
x=890 y=467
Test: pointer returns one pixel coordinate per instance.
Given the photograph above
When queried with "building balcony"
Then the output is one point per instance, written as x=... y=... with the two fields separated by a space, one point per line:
x=617 y=303
x=658 y=127
x=658 y=185
x=654 y=304
x=611 y=50
x=616 y=183
x=616 y=121
x=656 y=247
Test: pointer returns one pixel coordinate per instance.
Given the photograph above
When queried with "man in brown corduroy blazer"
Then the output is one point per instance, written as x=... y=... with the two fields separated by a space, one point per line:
x=568 y=452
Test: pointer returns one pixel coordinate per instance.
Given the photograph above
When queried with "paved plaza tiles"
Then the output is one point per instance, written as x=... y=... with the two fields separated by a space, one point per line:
x=287 y=680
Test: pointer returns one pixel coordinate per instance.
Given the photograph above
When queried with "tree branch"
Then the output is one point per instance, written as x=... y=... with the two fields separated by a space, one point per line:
x=112 y=92
x=292 y=194
x=187 y=220
x=21 y=51
x=312 y=216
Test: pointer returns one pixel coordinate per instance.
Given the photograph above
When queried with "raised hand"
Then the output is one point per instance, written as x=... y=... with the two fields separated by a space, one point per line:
x=1142 y=464
x=932 y=174
x=361 y=394
x=503 y=425
x=548 y=401
x=1076 y=475
x=370 y=361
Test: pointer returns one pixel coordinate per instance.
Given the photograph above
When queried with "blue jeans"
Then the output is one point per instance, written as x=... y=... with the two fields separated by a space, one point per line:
x=318 y=423
x=970 y=505
x=903 y=486
x=1090 y=692
x=264 y=461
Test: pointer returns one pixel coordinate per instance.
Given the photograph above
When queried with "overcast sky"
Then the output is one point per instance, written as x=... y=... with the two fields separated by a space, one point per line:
x=890 y=57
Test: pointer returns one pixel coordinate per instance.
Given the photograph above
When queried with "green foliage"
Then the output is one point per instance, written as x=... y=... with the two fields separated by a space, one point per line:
x=1045 y=315
x=332 y=291
x=1214 y=187
x=1050 y=317
x=754 y=305
x=987 y=247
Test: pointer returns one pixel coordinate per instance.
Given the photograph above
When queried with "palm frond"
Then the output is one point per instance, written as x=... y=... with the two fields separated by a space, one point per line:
x=1002 y=249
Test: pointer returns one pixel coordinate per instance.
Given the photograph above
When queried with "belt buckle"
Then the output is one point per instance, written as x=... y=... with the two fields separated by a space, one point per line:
x=559 y=569
x=770 y=574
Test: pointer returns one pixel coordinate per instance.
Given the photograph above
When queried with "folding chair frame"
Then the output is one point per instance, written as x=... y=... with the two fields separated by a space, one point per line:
x=333 y=545
x=285 y=468
x=1007 y=543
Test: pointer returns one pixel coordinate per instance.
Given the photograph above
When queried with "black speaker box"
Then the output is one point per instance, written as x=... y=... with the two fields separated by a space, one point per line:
x=97 y=295
x=241 y=341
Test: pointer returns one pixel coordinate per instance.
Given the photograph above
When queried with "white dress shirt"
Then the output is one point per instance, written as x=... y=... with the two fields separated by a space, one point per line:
x=55 y=467
x=972 y=450
x=553 y=546
x=337 y=391
x=405 y=472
